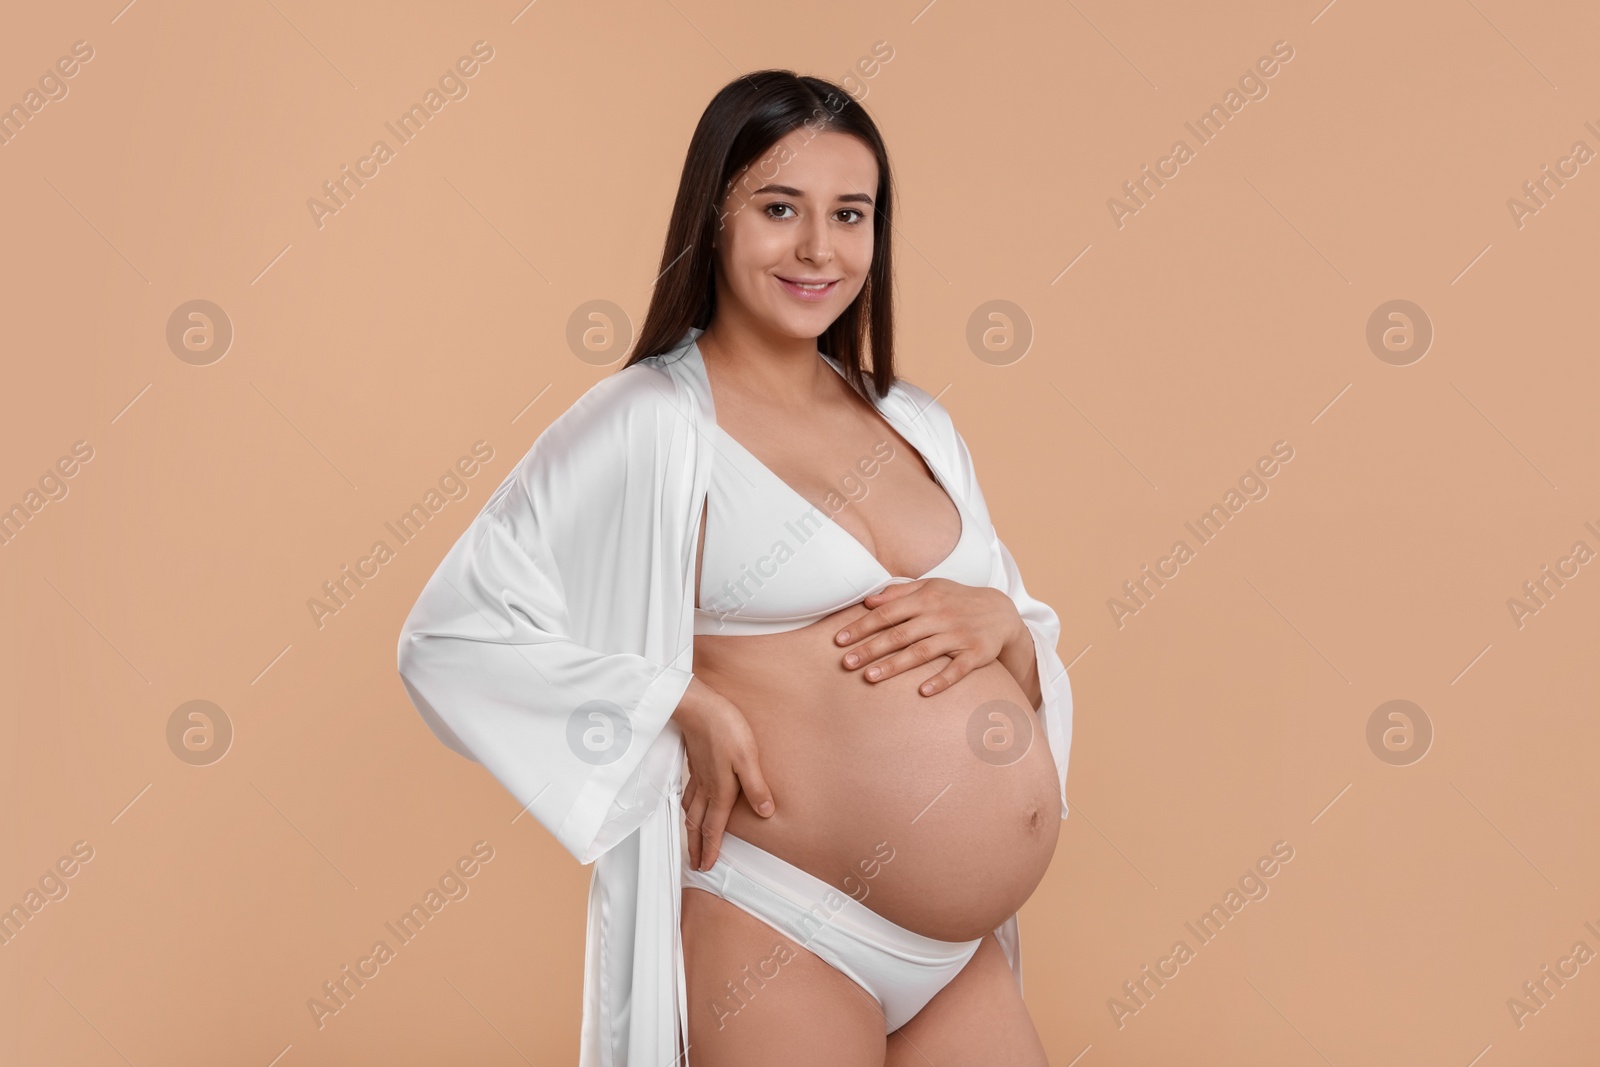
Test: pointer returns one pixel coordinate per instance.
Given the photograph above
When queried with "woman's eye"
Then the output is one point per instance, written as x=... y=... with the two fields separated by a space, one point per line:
x=859 y=215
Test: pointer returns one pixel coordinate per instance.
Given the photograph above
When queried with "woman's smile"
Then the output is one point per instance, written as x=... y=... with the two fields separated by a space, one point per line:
x=809 y=290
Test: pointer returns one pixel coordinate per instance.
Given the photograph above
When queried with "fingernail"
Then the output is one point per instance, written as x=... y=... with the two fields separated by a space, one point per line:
x=766 y=807
x=852 y=659
x=872 y=672
x=843 y=637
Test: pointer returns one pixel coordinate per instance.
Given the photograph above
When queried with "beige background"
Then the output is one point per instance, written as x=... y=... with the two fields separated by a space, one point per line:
x=1167 y=355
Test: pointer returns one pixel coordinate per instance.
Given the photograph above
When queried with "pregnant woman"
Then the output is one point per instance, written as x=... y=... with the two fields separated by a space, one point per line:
x=742 y=553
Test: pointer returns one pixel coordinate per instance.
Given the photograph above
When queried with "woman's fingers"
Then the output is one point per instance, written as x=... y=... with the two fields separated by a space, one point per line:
x=958 y=668
x=748 y=768
x=895 y=640
x=722 y=764
x=716 y=818
x=913 y=655
x=875 y=619
x=696 y=818
x=690 y=820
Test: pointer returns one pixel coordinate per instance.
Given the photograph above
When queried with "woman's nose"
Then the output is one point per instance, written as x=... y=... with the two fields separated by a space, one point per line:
x=815 y=242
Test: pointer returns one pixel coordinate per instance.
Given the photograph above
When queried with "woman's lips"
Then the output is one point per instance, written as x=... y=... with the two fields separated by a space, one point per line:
x=812 y=295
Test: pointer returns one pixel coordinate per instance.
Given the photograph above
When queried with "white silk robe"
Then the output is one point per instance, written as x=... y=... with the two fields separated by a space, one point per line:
x=574 y=584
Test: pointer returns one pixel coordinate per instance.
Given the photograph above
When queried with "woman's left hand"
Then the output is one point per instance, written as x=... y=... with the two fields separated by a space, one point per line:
x=912 y=622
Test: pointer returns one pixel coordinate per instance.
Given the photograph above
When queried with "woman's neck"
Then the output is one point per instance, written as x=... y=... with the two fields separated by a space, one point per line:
x=762 y=365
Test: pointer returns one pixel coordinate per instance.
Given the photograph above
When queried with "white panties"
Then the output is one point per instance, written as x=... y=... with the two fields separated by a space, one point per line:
x=902 y=969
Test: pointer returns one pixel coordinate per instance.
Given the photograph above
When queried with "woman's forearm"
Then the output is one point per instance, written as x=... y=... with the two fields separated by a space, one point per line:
x=1021 y=658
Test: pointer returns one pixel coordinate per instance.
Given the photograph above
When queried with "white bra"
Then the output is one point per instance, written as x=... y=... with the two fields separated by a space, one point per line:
x=774 y=561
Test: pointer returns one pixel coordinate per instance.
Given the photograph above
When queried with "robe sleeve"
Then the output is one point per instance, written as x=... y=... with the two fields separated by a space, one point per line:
x=1055 y=712
x=530 y=649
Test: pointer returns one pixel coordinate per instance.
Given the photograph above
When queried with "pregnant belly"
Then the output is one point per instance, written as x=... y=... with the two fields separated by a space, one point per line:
x=939 y=813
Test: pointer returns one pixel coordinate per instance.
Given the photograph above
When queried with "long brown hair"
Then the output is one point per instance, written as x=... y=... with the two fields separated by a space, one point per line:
x=744 y=120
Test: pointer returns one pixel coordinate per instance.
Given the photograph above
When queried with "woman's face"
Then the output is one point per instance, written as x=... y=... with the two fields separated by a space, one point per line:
x=800 y=213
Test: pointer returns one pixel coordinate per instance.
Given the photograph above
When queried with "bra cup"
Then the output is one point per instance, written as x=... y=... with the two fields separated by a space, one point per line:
x=777 y=562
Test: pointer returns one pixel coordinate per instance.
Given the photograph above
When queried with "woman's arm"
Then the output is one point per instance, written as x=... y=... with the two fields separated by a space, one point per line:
x=1022 y=660
x=539 y=646
x=1054 y=705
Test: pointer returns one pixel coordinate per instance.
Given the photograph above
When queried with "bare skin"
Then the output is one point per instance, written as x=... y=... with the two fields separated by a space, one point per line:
x=854 y=767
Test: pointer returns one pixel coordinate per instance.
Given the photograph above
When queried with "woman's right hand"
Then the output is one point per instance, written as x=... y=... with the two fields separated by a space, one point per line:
x=722 y=762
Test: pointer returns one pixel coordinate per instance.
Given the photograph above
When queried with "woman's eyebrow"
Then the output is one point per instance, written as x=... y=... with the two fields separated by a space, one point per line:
x=789 y=190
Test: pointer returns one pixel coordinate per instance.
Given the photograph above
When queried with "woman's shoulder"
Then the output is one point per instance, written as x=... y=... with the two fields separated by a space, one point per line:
x=615 y=428
x=912 y=391
x=642 y=398
x=919 y=405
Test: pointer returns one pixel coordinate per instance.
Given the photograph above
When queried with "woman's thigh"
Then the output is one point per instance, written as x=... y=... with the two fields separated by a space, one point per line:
x=978 y=1020
x=756 y=997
